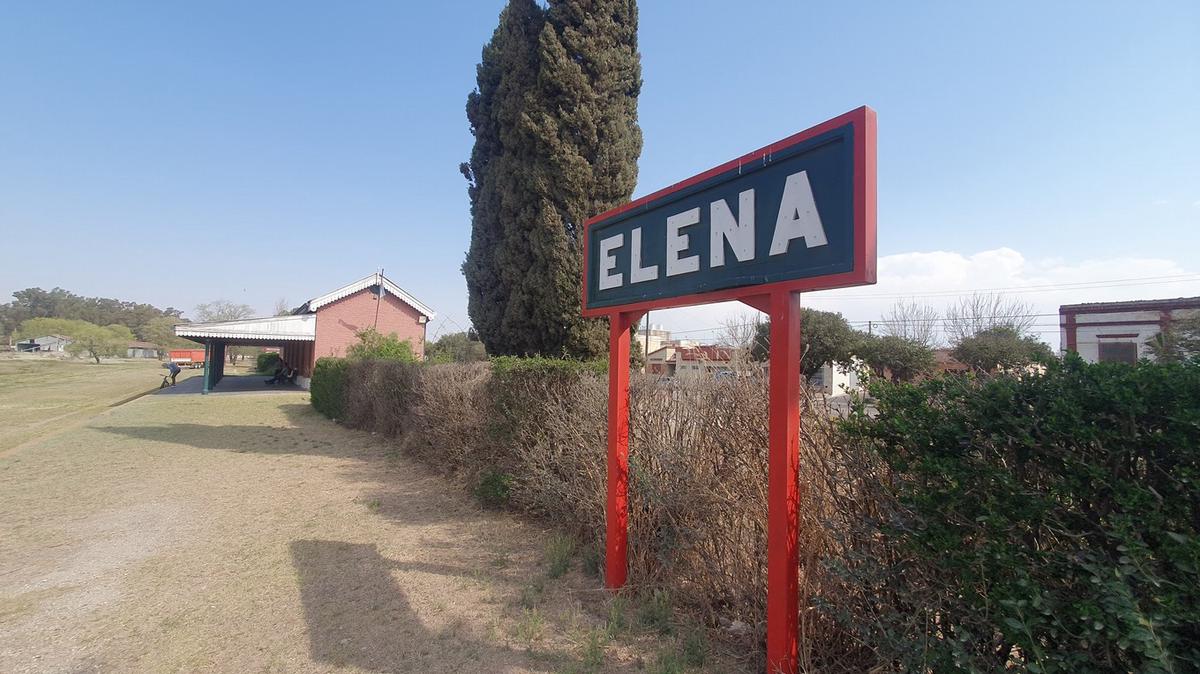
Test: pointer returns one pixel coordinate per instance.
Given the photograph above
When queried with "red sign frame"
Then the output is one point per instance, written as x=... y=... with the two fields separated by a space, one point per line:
x=862 y=121
x=781 y=301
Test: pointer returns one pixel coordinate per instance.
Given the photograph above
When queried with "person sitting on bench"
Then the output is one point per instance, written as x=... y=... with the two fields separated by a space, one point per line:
x=281 y=373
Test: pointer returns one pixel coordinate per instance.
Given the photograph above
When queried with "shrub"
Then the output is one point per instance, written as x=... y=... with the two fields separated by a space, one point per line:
x=380 y=394
x=266 y=362
x=530 y=434
x=328 y=387
x=494 y=489
x=374 y=345
x=1048 y=523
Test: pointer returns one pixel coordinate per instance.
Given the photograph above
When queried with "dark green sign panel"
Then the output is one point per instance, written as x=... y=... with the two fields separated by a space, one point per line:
x=798 y=214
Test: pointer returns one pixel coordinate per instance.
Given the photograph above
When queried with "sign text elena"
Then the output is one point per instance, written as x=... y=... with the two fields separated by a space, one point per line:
x=785 y=214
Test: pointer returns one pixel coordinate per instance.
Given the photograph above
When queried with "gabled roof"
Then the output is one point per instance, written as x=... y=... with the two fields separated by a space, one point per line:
x=375 y=279
x=298 y=327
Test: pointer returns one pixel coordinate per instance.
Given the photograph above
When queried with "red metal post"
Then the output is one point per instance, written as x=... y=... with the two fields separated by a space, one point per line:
x=783 y=494
x=617 y=511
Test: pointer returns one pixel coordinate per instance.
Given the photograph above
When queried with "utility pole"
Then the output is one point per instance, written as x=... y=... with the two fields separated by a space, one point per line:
x=646 y=360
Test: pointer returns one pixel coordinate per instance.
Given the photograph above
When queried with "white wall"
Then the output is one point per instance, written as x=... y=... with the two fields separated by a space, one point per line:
x=1088 y=337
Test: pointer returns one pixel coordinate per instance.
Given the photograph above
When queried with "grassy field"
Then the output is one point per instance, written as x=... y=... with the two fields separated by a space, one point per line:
x=246 y=533
x=40 y=396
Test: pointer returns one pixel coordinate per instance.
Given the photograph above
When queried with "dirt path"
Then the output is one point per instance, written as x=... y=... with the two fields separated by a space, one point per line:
x=247 y=534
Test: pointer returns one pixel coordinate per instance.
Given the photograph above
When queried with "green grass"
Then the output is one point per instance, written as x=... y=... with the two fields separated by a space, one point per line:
x=667 y=662
x=530 y=627
x=695 y=647
x=531 y=596
x=559 y=552
x=618 y=618
x=656 y=612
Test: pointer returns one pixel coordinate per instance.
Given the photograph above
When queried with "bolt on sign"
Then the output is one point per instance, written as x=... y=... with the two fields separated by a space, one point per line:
x=797 y=215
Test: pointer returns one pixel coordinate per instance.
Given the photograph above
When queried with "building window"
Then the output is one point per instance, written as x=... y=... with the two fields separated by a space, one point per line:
x=1118 y=352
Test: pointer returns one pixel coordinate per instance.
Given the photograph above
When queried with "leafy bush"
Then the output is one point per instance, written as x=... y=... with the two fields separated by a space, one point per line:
x=328 y=387
x=494 y=489
x=266 y=362
x=1048 y=523
x=374 y=345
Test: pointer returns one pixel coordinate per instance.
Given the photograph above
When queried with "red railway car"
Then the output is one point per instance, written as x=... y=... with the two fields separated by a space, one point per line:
x=192 y=358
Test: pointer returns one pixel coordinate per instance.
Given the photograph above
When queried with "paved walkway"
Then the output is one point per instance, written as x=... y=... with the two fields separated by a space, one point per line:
x=230 y=383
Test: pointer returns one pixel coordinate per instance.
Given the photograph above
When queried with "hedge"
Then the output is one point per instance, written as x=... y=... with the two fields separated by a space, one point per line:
x=1045 y=522
x=328 y=387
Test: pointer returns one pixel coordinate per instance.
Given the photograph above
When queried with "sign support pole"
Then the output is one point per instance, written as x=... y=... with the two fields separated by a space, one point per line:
x=783 y=493
x=617 y=510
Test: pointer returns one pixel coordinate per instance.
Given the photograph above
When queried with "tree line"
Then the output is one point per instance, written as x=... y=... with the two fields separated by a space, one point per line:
x=985 y=332
x=102 y=326
x=59 y=303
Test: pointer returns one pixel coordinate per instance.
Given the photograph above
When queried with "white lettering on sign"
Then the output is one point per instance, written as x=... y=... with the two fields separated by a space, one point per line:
x=677 y=243
x=607 y=278
x=739 y=234
x=638 y=273
x=798 y=217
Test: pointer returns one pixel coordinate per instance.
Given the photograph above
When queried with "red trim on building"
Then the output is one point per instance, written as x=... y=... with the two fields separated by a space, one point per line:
x=1134 y=305
x=1107 y=324
x=1072 y=334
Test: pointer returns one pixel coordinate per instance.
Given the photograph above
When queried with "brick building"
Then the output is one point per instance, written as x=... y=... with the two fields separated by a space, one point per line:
x=323 y=326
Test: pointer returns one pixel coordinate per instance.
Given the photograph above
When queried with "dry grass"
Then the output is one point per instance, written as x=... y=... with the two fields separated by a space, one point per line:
x=42 y=395
x=246 y=533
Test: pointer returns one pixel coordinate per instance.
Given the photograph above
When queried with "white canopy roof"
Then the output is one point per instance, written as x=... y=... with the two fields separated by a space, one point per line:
x=298 y=327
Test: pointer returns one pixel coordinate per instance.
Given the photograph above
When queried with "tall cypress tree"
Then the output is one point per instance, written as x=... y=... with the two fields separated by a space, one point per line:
x=550 y=151
x=505 y=77
x=589 y=81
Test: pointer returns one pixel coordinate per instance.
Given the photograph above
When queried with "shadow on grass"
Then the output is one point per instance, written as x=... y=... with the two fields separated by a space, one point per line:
x=357 y=615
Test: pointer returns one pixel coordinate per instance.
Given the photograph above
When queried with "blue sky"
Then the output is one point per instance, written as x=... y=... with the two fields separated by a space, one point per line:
x=179 y=153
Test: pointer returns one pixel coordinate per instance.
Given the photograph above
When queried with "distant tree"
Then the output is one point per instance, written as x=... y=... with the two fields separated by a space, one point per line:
x=825 y=337
x=281 y=307
x=900 y=358
x=86 y=338
x=1001 y=348
x=160 y=331
x=1178 y=342
x=222 y=310
x=374 y=345
x=456 y=347
x=913 y=321
x=976 y=313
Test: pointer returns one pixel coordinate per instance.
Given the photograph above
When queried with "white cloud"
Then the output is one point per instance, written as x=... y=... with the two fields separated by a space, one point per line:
x=939 y=277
